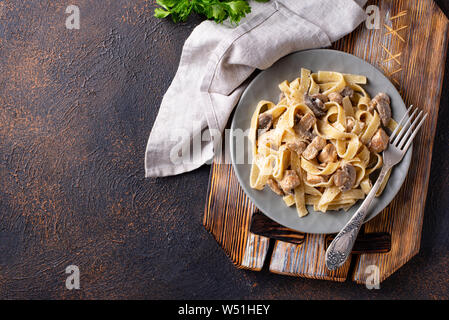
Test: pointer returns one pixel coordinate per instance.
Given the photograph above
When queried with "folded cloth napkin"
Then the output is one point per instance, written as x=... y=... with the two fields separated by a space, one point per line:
x=215 y=62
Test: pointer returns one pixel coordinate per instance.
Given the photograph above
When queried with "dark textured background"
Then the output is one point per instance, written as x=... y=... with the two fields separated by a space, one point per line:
x=76 y=109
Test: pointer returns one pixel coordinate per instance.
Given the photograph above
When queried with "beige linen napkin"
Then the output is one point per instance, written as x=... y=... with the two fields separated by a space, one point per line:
x=217 y=59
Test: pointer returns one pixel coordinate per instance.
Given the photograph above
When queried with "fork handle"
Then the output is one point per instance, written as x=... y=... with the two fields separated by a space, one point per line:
x=338 y=251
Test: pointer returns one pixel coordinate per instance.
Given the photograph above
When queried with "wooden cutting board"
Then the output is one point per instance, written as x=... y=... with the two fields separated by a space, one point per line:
x=410 y=48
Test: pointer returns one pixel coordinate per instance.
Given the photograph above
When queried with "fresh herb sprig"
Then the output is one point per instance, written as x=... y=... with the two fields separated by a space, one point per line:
x=216 y=10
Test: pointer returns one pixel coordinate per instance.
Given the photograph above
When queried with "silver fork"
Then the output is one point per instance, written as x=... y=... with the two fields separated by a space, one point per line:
x=400 y=141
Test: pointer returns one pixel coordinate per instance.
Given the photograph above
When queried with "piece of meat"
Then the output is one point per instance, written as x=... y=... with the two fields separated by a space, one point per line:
x=297 y=146
x=314 y=147
x=347 y=92
x=290 y=181
x=314 y=179
x=274 y=187
x=316 y=105
x=265 y=122
x=307 y=121
x=328 y=154
x=381 y=102
x=344 y=178
x=379 y=142
x=335 y=97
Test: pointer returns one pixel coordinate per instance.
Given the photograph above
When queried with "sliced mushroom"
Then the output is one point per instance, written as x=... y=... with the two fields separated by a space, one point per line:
x=314 y=179
x=335 y=97
x=290 y=181
x=321 y=97
x=303 y=126
x=379 y=142
x=297 y=146
x=314 y=147
x=315 y=104
x=382 y=103
x=328 y=154
x=274 y=187
x=344 y=178
x=265 y=123
x=347 y=92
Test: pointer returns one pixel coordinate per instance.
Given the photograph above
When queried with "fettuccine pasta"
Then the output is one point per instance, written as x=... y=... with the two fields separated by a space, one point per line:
x=321 y=143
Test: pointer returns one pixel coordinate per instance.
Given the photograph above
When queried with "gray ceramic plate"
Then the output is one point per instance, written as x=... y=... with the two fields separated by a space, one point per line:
x=265 y=86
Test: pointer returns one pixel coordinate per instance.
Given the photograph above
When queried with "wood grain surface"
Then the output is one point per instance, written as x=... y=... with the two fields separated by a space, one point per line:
x=414 y=62
x=420 y=79
x=229 y=221
x=76 y=109
x=263 y=226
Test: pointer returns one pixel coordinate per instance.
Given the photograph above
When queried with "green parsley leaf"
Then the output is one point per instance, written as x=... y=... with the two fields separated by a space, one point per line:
x=217 y=10
x=237 y=10
x=161 y=13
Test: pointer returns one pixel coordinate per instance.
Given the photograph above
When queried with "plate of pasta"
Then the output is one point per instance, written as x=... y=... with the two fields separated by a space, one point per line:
x=315 y=125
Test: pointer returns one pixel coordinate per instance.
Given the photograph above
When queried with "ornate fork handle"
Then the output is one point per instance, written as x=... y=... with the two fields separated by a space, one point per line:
x=341 y=246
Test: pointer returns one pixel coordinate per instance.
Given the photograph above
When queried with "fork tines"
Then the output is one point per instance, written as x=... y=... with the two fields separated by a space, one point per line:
x=406 y=130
